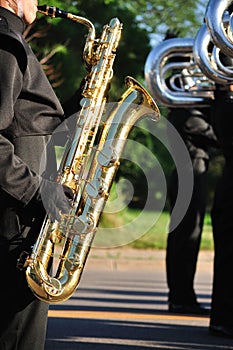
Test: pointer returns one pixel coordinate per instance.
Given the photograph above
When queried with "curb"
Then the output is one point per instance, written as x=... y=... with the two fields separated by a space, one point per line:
x=129 y=258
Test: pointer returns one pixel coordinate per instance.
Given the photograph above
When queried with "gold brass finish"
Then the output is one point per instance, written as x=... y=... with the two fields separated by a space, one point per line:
x=88 y=166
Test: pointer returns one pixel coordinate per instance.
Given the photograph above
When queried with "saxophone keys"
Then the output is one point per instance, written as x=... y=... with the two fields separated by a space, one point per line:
x=83 y=224
x=107 y=157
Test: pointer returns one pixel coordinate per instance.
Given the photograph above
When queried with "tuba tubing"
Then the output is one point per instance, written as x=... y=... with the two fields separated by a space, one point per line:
x=176 y=54
x=207 y=57
x=219 y=25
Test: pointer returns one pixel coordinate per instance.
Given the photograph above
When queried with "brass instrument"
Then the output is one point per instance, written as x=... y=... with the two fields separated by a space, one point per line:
x=218 y=18
x=209 y=58
x=173 y=76
x=88 y=168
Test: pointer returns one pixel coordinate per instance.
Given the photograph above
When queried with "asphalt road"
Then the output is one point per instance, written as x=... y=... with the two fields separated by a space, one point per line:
x=121 y=304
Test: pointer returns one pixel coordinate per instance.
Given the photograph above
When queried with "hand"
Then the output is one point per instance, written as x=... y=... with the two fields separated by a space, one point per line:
x=54 y=197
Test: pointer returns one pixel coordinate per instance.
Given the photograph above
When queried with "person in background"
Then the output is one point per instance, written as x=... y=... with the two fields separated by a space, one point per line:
x=221 y=321
x=29 y=113
x=183 y=241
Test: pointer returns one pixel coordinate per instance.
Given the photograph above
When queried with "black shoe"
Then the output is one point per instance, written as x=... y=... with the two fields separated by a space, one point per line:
x=194 y=309
x=221 y=331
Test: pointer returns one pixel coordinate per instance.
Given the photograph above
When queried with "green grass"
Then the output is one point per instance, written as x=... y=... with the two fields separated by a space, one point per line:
x=133 y=228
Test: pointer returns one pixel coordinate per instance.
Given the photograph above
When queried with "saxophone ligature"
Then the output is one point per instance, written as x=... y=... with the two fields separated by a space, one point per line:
x=173 y=76
x=87 y=167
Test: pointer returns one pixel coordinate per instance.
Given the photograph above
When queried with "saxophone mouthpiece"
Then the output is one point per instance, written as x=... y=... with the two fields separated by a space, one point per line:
x=52 y=11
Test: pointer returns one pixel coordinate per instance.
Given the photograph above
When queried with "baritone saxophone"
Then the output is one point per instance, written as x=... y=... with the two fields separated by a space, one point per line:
x=87 y=168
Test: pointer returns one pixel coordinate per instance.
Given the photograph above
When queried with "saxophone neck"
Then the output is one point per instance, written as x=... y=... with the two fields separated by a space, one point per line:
x=90 y=40
x=55 y=12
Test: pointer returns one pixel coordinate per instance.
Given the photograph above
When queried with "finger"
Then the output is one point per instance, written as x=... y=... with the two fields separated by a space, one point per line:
x=64 y=206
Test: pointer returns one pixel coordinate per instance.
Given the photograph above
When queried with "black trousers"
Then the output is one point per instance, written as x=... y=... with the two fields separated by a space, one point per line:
x=24 y=329
x=183 y=242
x=222 y=215
x=222 y=222
x=23 y=317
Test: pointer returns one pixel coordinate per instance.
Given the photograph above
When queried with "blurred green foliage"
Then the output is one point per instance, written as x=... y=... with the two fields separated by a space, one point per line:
x=145 y=23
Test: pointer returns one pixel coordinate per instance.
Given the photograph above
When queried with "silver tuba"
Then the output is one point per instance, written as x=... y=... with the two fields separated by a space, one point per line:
x=88 y=167
x=218 y=18
x=173 y=76
x=213 y=43
x=210 y=59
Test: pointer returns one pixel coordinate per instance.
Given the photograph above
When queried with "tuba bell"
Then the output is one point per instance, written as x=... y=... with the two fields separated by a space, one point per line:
x=173 y=76
x=88 y=166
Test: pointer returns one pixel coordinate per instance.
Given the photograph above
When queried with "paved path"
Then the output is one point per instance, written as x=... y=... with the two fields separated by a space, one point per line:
x=121 y=304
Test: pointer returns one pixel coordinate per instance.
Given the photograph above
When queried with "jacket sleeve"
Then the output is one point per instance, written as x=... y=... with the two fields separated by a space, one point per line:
x=16 y=178
x=200 y=132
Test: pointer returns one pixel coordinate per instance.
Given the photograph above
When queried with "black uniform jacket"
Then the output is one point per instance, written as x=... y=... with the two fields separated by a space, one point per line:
x=29 y=112
x=194 y=126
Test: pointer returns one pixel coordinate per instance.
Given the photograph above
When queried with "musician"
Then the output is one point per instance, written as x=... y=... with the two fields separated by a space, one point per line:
x=29 y=112
x=183 y=243
x=221 y=321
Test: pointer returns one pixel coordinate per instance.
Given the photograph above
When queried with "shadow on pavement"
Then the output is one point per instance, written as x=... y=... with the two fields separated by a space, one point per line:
x=89 y=334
